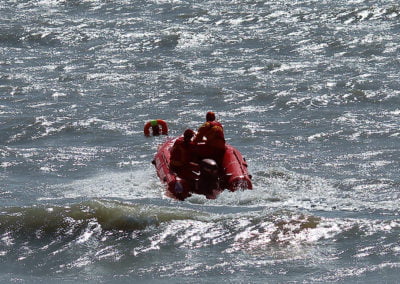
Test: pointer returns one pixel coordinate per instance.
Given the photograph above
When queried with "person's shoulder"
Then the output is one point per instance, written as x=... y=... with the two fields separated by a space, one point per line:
x=178 y=141
x=207 y=123
x=216 y=123
x=204 y=125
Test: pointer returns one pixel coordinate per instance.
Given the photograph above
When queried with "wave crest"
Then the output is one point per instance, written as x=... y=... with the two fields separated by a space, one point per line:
x=108 y=214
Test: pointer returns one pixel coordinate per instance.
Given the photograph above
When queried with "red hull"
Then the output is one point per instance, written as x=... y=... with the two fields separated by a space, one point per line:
x=235 y=174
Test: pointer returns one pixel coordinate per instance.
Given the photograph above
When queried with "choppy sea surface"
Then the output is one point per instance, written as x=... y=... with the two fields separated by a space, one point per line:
x=308 y=91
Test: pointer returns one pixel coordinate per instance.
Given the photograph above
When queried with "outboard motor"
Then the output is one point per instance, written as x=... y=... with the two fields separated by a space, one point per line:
x=209 y=178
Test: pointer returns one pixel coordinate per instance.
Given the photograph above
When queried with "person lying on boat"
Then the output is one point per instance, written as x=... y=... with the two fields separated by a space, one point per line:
x=182 y=154
x=210 y=139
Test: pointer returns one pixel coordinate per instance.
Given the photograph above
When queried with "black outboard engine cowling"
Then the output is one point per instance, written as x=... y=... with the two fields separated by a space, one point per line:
x=209 y=167
x=209 y=178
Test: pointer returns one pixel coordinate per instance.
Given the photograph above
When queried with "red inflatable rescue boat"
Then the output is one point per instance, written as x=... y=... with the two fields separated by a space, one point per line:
x=208 y=178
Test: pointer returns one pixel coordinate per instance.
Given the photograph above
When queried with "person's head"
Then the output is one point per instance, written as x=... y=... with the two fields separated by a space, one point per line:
x=187 y=135
x=156 y=130
x=210 y=116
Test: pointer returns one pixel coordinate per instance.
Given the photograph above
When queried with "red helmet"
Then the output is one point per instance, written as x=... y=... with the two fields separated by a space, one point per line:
x=210 y=116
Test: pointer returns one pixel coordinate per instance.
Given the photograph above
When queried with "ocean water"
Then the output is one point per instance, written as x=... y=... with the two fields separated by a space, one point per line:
x=308 y=91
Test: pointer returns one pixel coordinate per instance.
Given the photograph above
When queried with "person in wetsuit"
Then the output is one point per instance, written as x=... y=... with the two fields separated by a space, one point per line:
x=210 y=139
